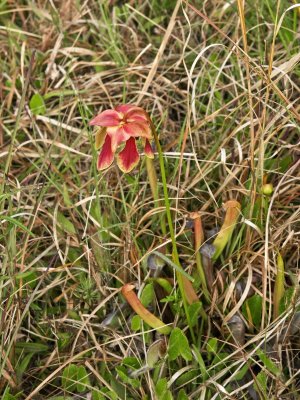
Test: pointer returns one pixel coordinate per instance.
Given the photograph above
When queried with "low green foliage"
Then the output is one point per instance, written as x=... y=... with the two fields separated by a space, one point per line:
x=268 y=363
x=161 y=389
x=37 y=104
x=75 y=379
x=252 y=310
x=179 y=345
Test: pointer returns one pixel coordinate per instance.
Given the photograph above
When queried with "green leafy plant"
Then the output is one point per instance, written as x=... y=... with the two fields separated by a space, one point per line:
x=75 y=379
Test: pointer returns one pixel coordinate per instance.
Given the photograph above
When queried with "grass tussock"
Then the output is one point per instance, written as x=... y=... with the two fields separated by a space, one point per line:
x=206 y=237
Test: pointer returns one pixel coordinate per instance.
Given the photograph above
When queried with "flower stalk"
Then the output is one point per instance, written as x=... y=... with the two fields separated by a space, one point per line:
x=279 y=286
x=151 y=172
x=186 y=288
x=152 y=179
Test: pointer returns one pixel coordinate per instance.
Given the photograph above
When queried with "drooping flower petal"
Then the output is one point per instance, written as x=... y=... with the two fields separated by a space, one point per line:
x=148 y=149
x=124 y=108
x=137 y=118
x=107 y=118
x=138 y=129
x=106 y=156
x=100 y=137
x=137 y=114
x=117 y=135
x=129 y=157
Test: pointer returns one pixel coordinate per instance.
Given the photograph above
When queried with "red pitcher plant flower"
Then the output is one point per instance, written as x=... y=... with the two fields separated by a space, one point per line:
x=124 y=124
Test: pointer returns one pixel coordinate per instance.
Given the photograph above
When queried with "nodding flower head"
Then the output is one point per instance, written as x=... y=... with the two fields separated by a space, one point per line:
x=124 y=124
